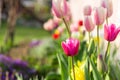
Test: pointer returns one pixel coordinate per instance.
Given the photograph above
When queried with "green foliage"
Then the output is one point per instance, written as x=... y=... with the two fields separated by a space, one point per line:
x=82 y=52
x=87 y=76
x=91 y=47
x=53 y=76
x=63 y=66
x=96 y=74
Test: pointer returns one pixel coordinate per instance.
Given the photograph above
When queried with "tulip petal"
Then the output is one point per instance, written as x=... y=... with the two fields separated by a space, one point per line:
x=65 y=48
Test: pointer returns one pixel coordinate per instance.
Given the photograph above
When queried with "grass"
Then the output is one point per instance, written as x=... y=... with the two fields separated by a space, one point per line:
x=24 y=33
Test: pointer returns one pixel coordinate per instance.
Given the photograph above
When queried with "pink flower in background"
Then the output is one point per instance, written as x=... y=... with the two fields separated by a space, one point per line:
x=60 y=8
x=87 y=10
x=74 y=27
x=111 y=32
x=108 y=5
x=88 y=23
x=49 y=25
x=60 y=29
x=56 y=20
x=70 y=46
x=99 y=15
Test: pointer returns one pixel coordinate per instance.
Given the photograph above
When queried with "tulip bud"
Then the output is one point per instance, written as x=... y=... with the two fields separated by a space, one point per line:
x=101 y=66
x=100 y=15
x=80 y=23
x=70 y=46
x=111 y=32
x=109 y=6
x=89 y=25
x=87 y=10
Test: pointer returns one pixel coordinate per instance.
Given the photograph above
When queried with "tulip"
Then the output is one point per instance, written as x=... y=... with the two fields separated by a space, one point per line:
x=74 y=27
x=100 y=15
x=101 y=66
x=56 y=34
x=80 y=23
x=49 y=25
x=60 y=8
x=87 y=10
x=60 y=29
x=71 y=46
x=111 y=32
x=89 y=25
x=109 y=6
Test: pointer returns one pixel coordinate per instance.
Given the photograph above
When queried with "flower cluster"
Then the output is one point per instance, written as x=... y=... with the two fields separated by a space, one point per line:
x=79 y=49
x=9 y=68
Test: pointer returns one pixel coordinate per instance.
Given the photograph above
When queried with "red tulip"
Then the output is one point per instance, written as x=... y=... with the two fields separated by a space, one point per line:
x=89 y=25
x=80 y=23
x=111 y=32
x=100 y=15
x=109 y=6
x=56 y=34
x=70 y=46
x=87 y=10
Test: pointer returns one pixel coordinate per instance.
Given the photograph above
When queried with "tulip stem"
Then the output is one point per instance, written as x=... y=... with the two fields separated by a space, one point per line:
x=89 y=53
x=69 y=65
x=67 y=26
x=107 y=50
x=98 y=37
x=107 y=21
x=73 y=68
x=89 y=37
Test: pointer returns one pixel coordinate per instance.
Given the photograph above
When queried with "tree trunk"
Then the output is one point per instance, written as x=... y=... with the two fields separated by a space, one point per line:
x=0 y=12
x=12 y=17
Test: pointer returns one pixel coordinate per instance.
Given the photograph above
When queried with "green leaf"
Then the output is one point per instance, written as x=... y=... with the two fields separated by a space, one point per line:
x=114 y=72
x=63 y=66
x=107 y=77
x=96 y=74
x=87 y=77
x=53 y=76
x=82 y=52
x=91 y=47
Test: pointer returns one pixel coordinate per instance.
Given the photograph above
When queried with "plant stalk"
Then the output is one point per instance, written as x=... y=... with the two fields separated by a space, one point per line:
x=98 y=38
x=67 y=27
x=107 y=50
x=107 y=21
x=73 y=68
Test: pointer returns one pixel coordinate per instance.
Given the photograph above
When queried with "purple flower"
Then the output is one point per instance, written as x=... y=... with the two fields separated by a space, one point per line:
x=35 y=43
x=7 y=61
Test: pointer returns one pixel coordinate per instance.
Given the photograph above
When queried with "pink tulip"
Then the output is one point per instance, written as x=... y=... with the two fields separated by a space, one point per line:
x=49 y=25
x=60 y=8
x=108 y=5
x=87 y=10
x=60 y=29
x=89 y=25
x=70 y=46
x=74 y=27
x=111 y=32
x=99 y=15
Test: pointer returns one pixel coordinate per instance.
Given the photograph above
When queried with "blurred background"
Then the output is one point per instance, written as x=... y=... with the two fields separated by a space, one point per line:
x=25 y=47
